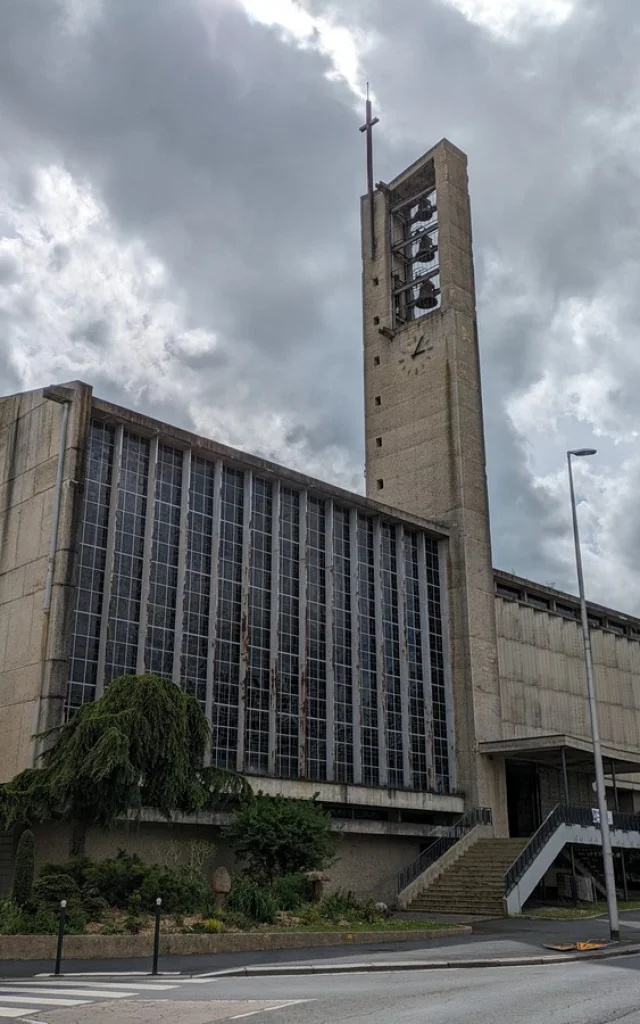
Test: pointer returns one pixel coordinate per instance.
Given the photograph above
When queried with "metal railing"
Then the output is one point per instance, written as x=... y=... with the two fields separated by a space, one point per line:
x=563 y=815
x=477 y=816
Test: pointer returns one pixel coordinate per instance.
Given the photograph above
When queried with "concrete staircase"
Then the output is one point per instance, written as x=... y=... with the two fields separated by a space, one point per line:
x=474 y=884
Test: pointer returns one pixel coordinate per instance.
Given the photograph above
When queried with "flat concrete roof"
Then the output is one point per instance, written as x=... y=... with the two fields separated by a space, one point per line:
x=550 y=593
x=547 y=750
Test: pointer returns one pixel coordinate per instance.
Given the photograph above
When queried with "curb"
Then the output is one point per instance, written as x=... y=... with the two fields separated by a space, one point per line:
x=420 y=965
x=128 y=947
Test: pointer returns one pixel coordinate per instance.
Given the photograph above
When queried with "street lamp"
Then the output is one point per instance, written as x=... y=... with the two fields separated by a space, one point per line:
x=607 y=856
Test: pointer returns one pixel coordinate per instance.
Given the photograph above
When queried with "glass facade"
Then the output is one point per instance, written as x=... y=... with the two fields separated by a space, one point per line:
x=219 y=579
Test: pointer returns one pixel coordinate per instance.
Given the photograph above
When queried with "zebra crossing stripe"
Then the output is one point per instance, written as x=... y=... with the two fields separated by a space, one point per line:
x=17 y=1011
x=46 y=1001
x=91 y=993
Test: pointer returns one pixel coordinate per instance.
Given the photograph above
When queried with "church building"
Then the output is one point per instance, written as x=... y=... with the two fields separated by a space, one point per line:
x=361 y=648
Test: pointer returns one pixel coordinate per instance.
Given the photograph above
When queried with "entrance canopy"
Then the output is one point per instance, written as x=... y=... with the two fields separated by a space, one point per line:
x=549 y=751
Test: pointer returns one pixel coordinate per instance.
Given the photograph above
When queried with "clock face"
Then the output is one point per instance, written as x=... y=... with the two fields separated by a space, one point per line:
x=415 y=350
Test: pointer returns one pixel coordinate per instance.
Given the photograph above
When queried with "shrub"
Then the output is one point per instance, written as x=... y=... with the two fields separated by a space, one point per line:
x=52 y=889
x=117 y=878
x=133 y=919
x=117 y=881
x=77 y=868
x=45 y=921
x=46 y=896
x=276 y=836
x=253 y=901
x=213 y=926
x=93 y=903
x=113 y=928
x=25 y=866
x=343 y=905
x=12 y=918
x=181 y=889
x=292 y=892
x=234 y=919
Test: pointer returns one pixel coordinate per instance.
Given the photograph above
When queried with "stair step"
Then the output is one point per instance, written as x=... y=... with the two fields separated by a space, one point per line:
x=475 y=882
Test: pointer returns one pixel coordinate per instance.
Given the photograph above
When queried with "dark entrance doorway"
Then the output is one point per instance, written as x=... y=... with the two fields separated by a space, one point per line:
x=523 y=798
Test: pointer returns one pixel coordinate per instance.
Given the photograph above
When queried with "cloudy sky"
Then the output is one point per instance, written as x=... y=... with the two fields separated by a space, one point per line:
x=179 y=185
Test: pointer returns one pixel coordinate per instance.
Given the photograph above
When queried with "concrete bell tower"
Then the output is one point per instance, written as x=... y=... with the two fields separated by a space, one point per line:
x=424 y=428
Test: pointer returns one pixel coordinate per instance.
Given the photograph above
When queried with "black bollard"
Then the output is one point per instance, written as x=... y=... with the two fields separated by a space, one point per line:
x=61 y=920
x=156 y=937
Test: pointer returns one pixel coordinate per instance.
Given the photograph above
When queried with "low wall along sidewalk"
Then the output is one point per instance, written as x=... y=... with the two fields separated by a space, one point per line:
x=108 y=947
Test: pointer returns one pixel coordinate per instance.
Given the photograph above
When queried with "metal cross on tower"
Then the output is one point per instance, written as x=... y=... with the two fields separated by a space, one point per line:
x=368 y=128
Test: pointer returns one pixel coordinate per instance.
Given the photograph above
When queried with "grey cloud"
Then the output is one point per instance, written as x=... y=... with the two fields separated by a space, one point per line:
x=239 y=164
x=8 y=269
x=232 y=156
x=95 y=332
x=59 y=258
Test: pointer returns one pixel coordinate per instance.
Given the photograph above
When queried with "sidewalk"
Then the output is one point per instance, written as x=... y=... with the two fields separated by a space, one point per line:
x=495 y=943
x=492 y=939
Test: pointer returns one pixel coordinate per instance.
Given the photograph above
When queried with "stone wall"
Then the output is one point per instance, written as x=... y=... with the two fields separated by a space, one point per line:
x=366 y=864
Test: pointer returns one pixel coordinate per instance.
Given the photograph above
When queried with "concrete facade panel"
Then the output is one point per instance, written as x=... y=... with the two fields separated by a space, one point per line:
x=29 y=631
x=542 y=677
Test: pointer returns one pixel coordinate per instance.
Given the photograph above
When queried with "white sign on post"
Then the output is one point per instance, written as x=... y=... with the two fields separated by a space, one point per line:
x=595 y=816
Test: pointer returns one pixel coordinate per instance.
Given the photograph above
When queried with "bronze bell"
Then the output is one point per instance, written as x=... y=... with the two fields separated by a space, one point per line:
x=427 y=298
x=425 y=211
x=426 y=250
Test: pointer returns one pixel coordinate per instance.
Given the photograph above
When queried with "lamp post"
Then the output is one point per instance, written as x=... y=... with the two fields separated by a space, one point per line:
x=607 y=856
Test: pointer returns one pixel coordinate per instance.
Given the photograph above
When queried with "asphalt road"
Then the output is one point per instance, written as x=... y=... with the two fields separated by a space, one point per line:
x=573 y=993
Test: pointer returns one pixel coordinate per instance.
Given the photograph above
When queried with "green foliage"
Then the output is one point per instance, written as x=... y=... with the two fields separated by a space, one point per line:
x=46 y=897
x=292 y=892
x=213 y=926
x=342 y=905
x=142 y=744
x=25 y=867
x=12 y=918
x=252 y=901
x=276 y=836
x=52 y=889
x=77 y=868
x=117 y=878
x=113 y=928
x=133 y=920
x=181 y=889
x=122 y=880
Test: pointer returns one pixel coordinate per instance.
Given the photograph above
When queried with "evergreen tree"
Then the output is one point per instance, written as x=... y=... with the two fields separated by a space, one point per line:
x=25 y=869
x=141 y=745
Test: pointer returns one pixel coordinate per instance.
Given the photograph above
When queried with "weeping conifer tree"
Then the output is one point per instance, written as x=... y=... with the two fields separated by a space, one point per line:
x=141 y=745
